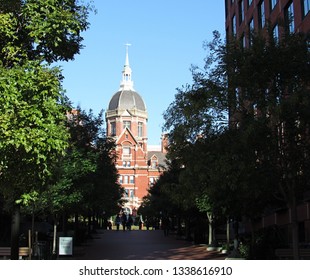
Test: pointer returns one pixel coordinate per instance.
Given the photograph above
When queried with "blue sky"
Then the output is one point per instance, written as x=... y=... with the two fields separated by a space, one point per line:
x=166 y=38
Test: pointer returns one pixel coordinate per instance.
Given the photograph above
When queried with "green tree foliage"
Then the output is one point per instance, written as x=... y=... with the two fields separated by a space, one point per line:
x=85 y=179
x=48 y=30
x=271 y=80
x=32 y=131
x=241 y=131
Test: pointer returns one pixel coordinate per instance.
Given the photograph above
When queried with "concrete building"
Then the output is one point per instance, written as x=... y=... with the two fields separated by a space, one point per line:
x=126 y=118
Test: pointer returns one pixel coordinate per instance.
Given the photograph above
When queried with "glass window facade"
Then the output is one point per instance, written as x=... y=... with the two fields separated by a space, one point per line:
x=289 y=17
x=234 y=25
x=241 y=11
x=261 y=14
x=273 y=3
x=306 y=7
x=275 y=33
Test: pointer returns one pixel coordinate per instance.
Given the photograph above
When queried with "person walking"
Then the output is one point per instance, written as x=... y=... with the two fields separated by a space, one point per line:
x=165 y=225
x=129 y=222
x=118 y=221
x=124 y=221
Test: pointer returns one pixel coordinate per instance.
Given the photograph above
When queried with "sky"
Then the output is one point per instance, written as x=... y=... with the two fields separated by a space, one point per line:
x=166 y=38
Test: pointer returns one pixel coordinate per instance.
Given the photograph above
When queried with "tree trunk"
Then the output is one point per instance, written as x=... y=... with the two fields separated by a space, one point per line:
x=227 y=232
x=179 y=231
x=295 y=233
x=210 y=219
x=187 y=229
x=15 y=227
x=89 y=224
x=65 y=223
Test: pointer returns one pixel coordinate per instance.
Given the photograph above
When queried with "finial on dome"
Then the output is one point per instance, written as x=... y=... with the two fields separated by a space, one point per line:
x=127 y=59
x=127 y=83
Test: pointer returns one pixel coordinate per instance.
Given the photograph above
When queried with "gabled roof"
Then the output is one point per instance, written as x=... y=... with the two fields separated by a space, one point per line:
x=159 y=155
x=121 y=136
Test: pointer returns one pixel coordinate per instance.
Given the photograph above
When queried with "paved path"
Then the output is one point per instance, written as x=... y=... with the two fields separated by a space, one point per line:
x=141 y=245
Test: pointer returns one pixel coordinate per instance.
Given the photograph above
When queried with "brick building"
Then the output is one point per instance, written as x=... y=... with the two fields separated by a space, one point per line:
x=138 y=165
x=243 y=16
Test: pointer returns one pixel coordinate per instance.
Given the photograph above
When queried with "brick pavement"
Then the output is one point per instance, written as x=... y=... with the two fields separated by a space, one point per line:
x=141 y=245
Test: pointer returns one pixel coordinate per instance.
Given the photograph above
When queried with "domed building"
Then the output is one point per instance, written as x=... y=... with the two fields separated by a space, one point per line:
x=126 y=119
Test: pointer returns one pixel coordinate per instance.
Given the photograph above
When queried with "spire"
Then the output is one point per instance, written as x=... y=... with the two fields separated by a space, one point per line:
x=127 y=59
x=126 y=83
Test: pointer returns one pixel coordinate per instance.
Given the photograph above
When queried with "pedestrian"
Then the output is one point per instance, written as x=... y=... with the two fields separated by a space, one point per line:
x=129 y=222
x=147 y=223
x=140 y=222
x=110 y=224
x=118 y=221
x=165 y=225
x=124 y=221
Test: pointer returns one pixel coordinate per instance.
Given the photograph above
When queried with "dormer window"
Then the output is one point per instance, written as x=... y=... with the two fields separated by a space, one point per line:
x=154 y=162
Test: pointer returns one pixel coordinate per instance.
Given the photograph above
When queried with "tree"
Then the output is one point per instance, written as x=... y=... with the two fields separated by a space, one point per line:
x=244 y=124
x=85 y=181
x=32 y=113
x=48 y=30
x=32 y=131
x=271 y=85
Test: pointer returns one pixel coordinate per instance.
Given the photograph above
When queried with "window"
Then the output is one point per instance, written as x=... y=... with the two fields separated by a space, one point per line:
x=261 y=14
x=113 y=129
x=275 y=33
x=273 y=3
x=289 y=17
x=154 y=163
x=250 y=3
x=131 y=193
x=140 y=129
x=126 y=163
x=131 y=179
x=251 y=25
x=126 y=193
x=127 y=124
x=152 y=181
x=306 y=7
x=126 y=150
x=125 y=179
x=242 y=41
x=121 y=179
x=234 y=26
x=241 y=12
x=251 y=29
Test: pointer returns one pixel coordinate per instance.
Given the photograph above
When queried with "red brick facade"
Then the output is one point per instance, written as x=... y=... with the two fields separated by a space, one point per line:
x=126 y=120
x=243 y=16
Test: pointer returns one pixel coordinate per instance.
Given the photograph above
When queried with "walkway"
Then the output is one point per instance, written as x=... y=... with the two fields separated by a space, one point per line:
x=141 y=245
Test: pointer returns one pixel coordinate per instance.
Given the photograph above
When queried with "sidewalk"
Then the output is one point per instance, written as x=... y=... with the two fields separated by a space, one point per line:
x=140 y=245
